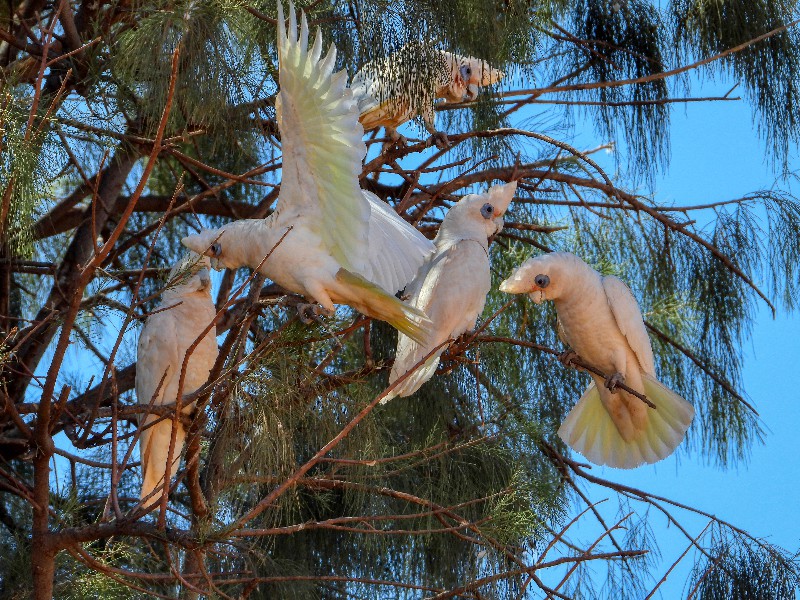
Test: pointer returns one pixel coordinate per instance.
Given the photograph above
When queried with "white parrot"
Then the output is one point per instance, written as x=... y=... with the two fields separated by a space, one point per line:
x=451 y=287
x=397 y=88
x=186 y=309
x=600 y=320
x=345 y=245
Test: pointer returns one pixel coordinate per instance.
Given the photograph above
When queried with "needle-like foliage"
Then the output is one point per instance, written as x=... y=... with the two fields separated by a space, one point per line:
x=127 y=125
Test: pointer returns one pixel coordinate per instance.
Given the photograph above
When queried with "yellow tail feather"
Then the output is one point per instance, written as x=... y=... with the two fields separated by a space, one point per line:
x=377 y=303
x=588 y=428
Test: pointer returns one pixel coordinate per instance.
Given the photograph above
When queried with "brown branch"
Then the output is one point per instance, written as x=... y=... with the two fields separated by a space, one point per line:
x=577 y=362
x=704 y=366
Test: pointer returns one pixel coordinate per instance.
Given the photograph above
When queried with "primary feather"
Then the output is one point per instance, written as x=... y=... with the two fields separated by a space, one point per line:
x=322 y=144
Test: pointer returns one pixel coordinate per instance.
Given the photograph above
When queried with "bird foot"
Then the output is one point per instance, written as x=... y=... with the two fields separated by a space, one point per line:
x=395 y=141
x=310 y=313
x=567 y=358
x=441 y=140
x=613 y=381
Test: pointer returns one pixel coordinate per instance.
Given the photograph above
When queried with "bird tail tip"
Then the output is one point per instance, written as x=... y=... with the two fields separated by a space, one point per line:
x=376 y=302
x=588 y=428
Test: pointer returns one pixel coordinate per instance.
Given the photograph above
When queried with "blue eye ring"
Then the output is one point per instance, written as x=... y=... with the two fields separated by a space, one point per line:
x=542 y=281
x=487 y=211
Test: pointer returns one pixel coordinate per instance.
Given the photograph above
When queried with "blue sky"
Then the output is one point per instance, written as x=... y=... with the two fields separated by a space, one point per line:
x=717 y=155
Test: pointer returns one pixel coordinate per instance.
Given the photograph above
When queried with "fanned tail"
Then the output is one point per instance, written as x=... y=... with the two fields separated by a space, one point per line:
x=588 y=428
x=154 y=450
x=375 y=302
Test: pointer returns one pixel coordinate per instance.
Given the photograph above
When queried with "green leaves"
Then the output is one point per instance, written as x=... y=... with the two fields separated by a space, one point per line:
x=26 y=168
x=214 y=73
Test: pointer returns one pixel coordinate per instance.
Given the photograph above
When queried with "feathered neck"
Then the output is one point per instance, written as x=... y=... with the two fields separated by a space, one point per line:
x=244 y=241
x=449 y=236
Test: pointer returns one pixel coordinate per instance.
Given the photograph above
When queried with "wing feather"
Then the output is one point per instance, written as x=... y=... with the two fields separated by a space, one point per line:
x=451 y=289
x=322 y=145
x=396 y=249
x=629 y=320
x=157 y=352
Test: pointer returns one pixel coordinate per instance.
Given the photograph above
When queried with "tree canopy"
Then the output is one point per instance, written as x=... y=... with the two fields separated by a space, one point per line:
x=127 y=125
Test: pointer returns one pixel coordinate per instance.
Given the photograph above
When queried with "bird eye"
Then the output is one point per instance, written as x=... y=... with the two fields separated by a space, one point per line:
x=215 y=249
x=466 y=72
x=487 y=210
x=542 y=280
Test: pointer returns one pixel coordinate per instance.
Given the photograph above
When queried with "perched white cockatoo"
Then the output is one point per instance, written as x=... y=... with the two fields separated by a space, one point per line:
x=397 y=88
x=185 y=311
x=600 y=320
x=451 y=287
x=345 y=246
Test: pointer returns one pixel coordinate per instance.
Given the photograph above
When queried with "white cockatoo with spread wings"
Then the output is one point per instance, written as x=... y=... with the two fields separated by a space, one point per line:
x=451 y=287
x=179 y=331
x=407 y=83
x=328 y=239
x=599 y=319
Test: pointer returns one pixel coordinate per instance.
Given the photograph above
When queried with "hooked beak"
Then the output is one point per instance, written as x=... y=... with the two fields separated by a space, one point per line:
x=215 y=264
x=537 y=296
x=472 y=93
x=498 y=224
x=501 y=196
x=516 y=285
x=205 y=278
x=193 y=243
x=490 y=76
x=519 y=282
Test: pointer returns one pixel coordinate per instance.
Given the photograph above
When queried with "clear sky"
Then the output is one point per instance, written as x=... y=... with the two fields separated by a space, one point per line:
x=716 y=155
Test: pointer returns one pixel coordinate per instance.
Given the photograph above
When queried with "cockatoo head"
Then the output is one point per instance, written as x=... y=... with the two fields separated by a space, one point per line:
x=190 y=274
x=479 y=216
x=211 y=243
x=545 y=277
x=468 y=74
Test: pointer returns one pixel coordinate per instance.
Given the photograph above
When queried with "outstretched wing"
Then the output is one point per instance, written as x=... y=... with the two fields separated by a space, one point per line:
x=629 y=320
x=322 y=145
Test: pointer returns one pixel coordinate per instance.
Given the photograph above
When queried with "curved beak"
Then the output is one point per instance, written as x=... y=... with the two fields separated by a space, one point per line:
x=501 y=196
x=490 y=76
x=514 y=284
x=519 y=282
x=472 y=92
x=194 y=242
x=205 y=278
x=498 y=223
x=537 y=296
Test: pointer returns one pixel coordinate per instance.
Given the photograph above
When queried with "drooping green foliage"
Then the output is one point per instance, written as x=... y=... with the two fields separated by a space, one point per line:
x=211 y=41
x=26 y=169
x=736 y=567
x=462 y=483
x=769 y=70
x=624 y=40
